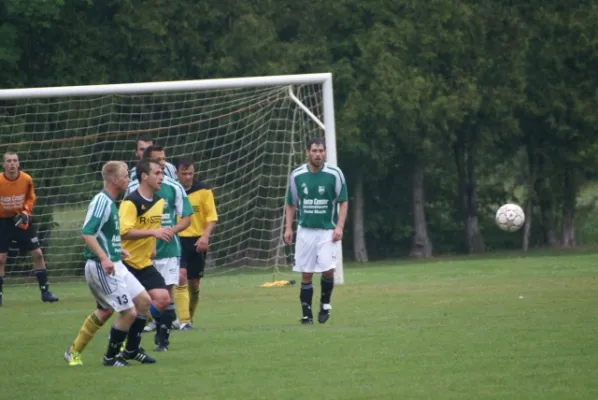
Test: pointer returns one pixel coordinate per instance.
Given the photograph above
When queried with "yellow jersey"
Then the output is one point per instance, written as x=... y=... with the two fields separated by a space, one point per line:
x=137 y=212
x=201 y=198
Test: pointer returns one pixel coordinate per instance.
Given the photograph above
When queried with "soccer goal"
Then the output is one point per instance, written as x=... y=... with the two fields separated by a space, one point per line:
x=244 y=134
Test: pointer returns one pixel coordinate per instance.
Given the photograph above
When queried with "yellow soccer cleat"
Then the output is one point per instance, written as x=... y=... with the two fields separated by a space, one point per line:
x=73 y=358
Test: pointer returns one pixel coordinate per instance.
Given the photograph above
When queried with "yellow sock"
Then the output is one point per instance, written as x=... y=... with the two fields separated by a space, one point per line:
x=193 y=302
x=181 y=301
x=88 y=330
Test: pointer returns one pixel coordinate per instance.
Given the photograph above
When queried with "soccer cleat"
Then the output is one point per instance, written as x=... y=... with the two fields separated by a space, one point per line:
x=161 y=347
x=176 y=324
x=48 y=297
x=139 y=355
x=72 y=358
x=324 y=313
x=150 y=327
x=186 y=326
x=117 y=361
x=306 y=321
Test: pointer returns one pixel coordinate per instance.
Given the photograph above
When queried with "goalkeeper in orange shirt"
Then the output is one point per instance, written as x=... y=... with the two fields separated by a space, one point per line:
x=17 y=197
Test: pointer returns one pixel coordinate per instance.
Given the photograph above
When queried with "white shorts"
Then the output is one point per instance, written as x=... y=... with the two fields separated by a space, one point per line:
x=169 y=269
x=315 y=251
x=115 y=291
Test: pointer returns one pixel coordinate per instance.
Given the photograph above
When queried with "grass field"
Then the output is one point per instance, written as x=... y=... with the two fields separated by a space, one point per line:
x=501 y=328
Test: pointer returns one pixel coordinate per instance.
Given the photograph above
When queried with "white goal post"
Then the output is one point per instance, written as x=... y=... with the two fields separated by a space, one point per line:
x=244 y=135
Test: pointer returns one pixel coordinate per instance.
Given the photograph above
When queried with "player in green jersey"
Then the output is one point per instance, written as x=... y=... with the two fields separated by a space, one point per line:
x=111 y=284
x=318 y=191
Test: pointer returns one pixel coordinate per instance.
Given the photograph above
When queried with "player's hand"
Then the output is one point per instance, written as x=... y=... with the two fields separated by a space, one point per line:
x=164 y=234
x=288 y=236
x=124 y=254
x=337 y=234
x=202 y=244
x=107 y=266
x=22 y=220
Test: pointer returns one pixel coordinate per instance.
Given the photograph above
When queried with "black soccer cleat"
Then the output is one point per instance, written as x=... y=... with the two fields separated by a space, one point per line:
x=48 y=297
x=139 y=355
x=117 y=361
x=161 y=347
x=324 y=313
x=306 y=321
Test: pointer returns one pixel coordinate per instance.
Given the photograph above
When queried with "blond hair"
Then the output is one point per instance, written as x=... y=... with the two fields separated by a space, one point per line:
x=112 y=169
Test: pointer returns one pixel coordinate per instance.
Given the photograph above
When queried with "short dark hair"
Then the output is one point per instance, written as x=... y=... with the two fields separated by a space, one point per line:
x=143 y=138
x=184 y=163
x=148 y=152
x=316 y=140
x=144 y=166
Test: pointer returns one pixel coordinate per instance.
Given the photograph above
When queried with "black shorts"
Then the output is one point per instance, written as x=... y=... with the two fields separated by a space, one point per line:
x=11 y=236
x=149 y=277
x=191 y=260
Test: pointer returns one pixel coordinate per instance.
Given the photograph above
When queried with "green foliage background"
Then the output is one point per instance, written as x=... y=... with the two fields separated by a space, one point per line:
x=509 y=87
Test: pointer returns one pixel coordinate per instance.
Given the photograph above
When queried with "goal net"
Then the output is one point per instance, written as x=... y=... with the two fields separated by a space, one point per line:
x=245 y=135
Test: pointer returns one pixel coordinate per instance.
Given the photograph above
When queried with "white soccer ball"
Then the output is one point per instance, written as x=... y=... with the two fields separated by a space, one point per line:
x=510 y=217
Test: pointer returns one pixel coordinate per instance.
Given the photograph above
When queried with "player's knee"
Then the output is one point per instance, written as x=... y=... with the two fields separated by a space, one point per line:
x=37 y=255
x=328 y=274
x=161 y=299
x=104 y=314
x=182 y=277
x=142 y=302
x=306 y=277
x=193 y=284
x=129 y=315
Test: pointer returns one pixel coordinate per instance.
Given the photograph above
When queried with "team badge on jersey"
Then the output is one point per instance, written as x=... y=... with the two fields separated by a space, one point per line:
x=321 y=189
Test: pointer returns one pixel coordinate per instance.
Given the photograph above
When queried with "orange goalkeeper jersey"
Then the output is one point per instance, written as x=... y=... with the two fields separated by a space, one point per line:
x=16 y=195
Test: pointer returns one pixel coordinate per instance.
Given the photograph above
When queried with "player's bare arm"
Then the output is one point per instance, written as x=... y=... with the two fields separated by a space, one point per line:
x=160 y=233
x=94 y=246
x=337 y=234
x=183 y=224
x=288 y=232
x=203 y=243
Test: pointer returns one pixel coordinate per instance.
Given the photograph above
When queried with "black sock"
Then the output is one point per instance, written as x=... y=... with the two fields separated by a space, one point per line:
x=157 y=320
x=166 y=318
x=134 y=336
x=306 y=295
x=42 y=279
x=117 y=337
x=327 y=286
x=1 y=283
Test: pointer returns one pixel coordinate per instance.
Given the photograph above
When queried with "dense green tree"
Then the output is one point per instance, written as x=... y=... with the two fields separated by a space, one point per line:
x=444 y=109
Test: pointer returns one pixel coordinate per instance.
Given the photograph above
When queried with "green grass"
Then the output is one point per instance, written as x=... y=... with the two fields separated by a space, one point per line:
x=510 y=328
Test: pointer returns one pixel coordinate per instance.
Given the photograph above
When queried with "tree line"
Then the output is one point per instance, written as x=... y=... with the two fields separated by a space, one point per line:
x=445 y=109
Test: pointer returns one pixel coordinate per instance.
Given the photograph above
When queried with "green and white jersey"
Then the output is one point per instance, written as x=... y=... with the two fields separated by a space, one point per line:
x=176 y=203
x=316 y=195
x=102 y=222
